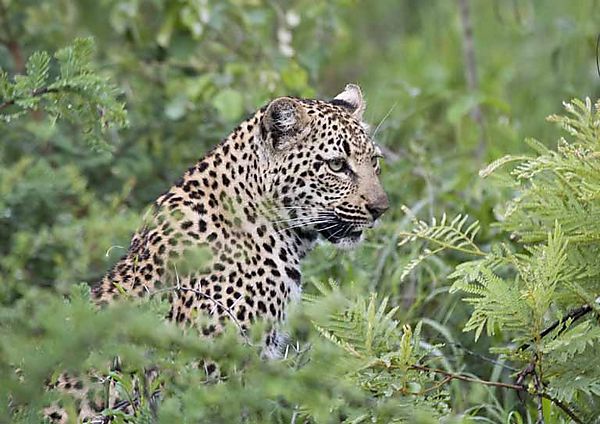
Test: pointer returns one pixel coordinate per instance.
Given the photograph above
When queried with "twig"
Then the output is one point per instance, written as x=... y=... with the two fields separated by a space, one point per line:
x=519 y=388
x=215 y=302
x=527 y=371
x=466 y=378
x=436 y=386
x=565 y=409
x=35 y=93
x=540 y=406
x=574 y=315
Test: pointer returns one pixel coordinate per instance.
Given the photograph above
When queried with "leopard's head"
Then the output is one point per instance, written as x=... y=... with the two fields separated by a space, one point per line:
x=324 y=173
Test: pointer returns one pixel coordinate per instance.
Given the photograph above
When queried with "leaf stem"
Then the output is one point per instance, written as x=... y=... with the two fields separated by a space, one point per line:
x=35 y=93
x=475 y=252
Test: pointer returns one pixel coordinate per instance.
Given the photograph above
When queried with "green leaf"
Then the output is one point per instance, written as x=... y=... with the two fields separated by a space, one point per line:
x=37 y=69
x=75 y=59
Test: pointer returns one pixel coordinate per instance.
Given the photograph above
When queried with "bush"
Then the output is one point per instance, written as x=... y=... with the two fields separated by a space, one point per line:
x=130 y=92
x=541 y=293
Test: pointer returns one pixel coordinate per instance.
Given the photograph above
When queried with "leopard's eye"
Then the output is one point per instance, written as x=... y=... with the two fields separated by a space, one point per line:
x=337 y=165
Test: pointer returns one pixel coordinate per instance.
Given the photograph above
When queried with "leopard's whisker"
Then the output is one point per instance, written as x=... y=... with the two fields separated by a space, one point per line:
x=301 y=208
x=342 y=228
x=330 y=227
x=348 y=228
x=307 y=212
x=301 y=218
x=304 y=224
x=283 y=214
x=383 y=119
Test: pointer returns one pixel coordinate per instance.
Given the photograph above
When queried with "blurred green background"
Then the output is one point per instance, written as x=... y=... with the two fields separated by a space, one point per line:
x=189 y=70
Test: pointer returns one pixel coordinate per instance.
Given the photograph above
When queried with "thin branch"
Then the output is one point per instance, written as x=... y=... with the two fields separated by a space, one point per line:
x=468 y=379
x=574 y=315
x=519 y=388
x=565 y=409
x=215 y=302
x=436 y=386
x=540 y=406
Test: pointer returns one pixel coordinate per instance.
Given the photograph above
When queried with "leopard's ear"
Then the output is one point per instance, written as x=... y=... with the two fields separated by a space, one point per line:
x=284 y=120
x=352 y=99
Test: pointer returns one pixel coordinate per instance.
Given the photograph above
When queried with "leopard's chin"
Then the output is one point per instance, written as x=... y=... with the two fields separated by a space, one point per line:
x=349 y=242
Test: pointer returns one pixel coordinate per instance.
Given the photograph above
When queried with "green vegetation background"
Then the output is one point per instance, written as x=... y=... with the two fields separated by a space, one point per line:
x=74 y=188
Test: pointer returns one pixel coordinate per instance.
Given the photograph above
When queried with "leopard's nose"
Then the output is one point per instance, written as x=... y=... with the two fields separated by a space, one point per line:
x=377 y=207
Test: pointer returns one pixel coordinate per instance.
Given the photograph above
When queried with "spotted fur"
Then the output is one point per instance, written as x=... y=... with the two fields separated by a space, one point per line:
x=296 y=171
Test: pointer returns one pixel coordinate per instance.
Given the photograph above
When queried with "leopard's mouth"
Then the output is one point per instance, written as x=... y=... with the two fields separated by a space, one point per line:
x=341 y=234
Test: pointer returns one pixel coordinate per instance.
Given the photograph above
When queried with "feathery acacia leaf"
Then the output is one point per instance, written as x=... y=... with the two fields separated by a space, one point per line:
x=525 y=290
x=78 y=93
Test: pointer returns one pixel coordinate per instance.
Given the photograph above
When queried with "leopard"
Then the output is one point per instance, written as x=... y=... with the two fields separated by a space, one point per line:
x=295 y=173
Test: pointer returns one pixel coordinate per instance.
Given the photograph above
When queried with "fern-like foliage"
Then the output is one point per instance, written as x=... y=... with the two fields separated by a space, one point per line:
x=560 y=185
x=446 y=234
x=384 y=353
x=530 y=290
x=66 y=87
x=497 y=303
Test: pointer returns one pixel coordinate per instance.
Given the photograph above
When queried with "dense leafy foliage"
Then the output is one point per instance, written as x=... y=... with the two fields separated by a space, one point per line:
x=104 y=104
x=534 y=292
x=77 y=94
